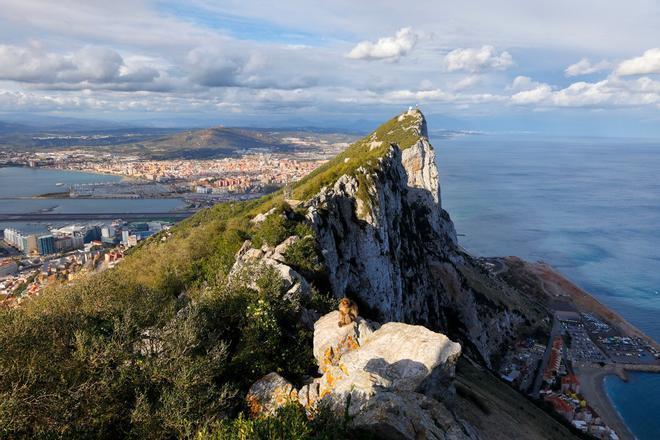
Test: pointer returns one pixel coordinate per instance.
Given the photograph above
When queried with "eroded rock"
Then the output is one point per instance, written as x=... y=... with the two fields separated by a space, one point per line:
x=383 y=377
x=269 y=393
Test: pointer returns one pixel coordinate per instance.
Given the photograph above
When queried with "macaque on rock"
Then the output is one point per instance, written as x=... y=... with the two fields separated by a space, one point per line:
x=348 y=311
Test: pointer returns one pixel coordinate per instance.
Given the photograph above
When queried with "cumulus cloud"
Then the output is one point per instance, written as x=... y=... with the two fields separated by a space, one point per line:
x=477 y=60
x=532 y=96
x=523 y=83
x=610 y=92
x=86 y=68
x=390 y=48
x=467 y=82
x=586 y=67
x=649 y=62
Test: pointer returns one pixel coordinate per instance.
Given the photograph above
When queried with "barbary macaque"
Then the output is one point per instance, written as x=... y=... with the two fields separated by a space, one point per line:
x=348 y=311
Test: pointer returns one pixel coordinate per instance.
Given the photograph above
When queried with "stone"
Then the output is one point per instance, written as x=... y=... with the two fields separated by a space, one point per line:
x=377 y=375
x=406 y=415
x=280 y=249
x=268 y=394
x=404 y=355
x=331 y=341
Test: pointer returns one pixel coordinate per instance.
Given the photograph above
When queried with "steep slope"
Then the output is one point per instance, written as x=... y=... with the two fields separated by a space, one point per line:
x=386 y=241
x=167 y=343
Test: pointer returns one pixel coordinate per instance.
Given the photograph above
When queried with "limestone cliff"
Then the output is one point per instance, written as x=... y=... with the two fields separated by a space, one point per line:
x=388 y=243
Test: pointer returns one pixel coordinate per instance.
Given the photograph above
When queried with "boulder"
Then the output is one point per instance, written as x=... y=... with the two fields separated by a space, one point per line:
x=396 y=357
x=385 y=378
x=249 y=259
x=406 y=415
x=280 y=249
x=332 y=341
x=269 y=393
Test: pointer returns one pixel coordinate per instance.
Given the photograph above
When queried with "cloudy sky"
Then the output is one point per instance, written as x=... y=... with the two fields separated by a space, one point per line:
x=579 y=66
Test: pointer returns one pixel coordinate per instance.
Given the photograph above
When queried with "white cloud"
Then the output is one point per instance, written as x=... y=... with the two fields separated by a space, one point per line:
x=610 y=92
x=85 y=68
x=533 y=96
x=477 y=60
x=649 y=62
x=467 y=82
x=523 y=83
x=585 y=67
x=391 y=48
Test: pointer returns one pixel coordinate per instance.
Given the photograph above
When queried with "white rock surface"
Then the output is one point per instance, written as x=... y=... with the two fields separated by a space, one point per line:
x=397 y=252
x=376 y=376
x=269 y=393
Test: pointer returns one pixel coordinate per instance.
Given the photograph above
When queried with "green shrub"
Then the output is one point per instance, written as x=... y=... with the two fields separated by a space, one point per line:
x=289 y=423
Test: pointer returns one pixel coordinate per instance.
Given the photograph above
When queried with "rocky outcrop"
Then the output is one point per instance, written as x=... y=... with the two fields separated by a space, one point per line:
x=250 y=260
x=395 y=249
x=269 y=393
x=388 y=379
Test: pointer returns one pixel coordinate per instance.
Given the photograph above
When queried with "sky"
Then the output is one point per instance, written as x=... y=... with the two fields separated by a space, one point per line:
x=585 y=67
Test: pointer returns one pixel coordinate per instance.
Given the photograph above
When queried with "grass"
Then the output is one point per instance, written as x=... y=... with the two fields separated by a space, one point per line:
x=365 y=154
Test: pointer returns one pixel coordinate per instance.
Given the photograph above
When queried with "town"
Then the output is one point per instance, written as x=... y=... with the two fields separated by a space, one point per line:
x=196 y=181
x=29 y=262
x=550 y=370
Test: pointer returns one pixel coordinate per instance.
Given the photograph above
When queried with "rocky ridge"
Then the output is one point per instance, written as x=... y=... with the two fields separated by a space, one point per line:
x=393 y=381
x=387 y=243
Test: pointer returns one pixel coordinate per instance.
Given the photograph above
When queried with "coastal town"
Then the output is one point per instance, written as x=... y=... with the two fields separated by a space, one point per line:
x=30 y=262
x=564 y=371
x=199 y=182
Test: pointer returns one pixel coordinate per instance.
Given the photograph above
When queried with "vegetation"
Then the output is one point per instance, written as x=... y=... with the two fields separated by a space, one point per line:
x=364 y=153
x=290 y=423
x=165 y=345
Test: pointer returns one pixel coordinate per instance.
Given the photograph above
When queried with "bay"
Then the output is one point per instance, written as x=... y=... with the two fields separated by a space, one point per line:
x=17 y=184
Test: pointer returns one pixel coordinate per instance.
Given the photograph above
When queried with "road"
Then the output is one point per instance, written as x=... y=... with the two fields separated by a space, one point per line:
x=556 y=331
x=51 y=216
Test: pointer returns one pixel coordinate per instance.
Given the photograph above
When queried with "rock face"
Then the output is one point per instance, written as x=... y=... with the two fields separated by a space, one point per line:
x=397 y=254
x=386 y=378
x=251 y=259
x=268 y=394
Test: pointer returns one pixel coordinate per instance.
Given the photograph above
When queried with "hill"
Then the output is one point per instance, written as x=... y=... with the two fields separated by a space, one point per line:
x=167 y=343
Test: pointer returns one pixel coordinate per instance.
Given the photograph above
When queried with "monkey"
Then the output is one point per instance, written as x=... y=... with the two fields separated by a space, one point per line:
x=348 y=311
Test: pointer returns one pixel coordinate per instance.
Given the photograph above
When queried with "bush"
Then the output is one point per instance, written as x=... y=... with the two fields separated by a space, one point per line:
x=290 y=422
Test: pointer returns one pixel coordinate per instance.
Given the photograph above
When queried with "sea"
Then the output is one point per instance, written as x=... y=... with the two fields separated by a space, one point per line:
x=18 y=184
x=589 y=207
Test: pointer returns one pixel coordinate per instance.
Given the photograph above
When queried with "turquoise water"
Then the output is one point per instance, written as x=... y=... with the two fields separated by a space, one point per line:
x=635 y=403
x=16 y=182
x=591 y=208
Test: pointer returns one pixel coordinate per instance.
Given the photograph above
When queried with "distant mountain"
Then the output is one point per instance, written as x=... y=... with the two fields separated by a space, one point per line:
x=10 y=127
x=210 y=142
x=204 y=143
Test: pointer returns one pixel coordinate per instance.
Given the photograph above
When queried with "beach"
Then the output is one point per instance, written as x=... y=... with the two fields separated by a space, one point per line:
x=593 y=389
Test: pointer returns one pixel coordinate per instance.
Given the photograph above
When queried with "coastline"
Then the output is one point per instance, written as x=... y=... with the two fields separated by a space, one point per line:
x=592 y=387
x=560 y=289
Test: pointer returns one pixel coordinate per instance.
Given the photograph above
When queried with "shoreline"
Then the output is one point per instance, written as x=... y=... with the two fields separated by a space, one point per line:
x=591 y=376
x=592 y=383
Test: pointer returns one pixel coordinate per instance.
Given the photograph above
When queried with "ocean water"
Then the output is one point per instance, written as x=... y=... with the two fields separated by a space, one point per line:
x=589 y=207
x=635 y=403
x=17 y=183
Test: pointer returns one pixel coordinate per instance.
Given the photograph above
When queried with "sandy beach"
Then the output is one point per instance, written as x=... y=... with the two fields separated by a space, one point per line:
x=592 y=388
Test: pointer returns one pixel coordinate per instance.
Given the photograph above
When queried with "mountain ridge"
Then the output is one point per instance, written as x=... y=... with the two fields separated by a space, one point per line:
x=168 y=342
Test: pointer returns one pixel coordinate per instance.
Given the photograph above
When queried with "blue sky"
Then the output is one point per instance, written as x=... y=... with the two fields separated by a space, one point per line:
x=564 y=67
